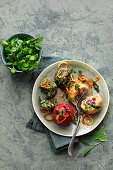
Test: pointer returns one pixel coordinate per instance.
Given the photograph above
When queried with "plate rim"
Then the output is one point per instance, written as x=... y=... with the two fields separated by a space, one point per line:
x=83 y=63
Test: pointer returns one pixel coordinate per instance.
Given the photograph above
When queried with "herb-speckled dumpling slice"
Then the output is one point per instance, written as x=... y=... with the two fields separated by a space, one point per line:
x=50 y=88
x=63 y=78
x=48 y=103
x=92 y=104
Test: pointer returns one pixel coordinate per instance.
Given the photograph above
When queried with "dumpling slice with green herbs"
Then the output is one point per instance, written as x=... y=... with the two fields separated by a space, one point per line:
x=92 y=104
x=49 y=87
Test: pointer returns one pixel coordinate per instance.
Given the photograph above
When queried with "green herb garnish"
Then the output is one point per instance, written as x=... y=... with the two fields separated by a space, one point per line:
x=80 y=71
x=67 y=110
x=86 y=108
x=77 y=87
x=98 y=135
x=59 y=112
x=95 y=106
x=40 y=99
x=73 y=70
x=96 y=86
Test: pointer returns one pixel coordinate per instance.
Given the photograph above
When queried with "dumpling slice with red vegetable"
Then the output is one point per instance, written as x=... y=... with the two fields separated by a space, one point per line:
x=63 y=114
x=92 y=104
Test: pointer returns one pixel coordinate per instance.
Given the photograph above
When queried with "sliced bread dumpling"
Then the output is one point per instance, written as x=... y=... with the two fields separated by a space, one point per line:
x=92 y=104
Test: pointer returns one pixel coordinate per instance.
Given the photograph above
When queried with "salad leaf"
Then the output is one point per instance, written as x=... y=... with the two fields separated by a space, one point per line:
x=40 y=39
x=22 y=54
x=9 y=64
x=37 y=64
x=13 y=70
x=4 y=43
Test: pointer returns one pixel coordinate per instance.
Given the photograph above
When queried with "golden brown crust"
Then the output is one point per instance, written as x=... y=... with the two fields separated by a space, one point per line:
x=91 y=110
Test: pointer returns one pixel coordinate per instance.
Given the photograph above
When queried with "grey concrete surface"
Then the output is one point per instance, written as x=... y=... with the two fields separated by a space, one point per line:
x=79 y=29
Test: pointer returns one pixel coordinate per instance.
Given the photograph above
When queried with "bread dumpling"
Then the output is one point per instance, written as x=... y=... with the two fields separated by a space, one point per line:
x=74 y=93
x=92 y=104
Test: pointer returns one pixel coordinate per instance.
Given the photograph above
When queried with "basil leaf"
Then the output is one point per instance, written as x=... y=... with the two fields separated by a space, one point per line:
x=97 y=134
x=102 y=138
x=84 y=142
x=87 y=150
x=96 y=86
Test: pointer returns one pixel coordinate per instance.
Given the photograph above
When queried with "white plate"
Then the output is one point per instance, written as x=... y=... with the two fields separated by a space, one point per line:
x=68 y=131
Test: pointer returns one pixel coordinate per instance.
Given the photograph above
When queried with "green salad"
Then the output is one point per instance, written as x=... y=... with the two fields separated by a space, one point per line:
x=22 y=54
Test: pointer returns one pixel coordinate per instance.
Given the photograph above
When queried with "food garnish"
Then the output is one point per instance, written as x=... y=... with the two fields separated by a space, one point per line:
x=80 y=71
x=96 y=86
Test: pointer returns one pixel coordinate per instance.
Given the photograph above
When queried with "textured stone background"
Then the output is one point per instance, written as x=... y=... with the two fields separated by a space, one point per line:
x=79 y=29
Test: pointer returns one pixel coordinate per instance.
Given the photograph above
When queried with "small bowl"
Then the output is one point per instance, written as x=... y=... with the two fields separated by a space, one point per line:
x=21 y=36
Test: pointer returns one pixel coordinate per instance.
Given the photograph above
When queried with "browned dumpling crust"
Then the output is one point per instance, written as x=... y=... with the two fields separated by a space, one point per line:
x=94 y=100
x=74 y=95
